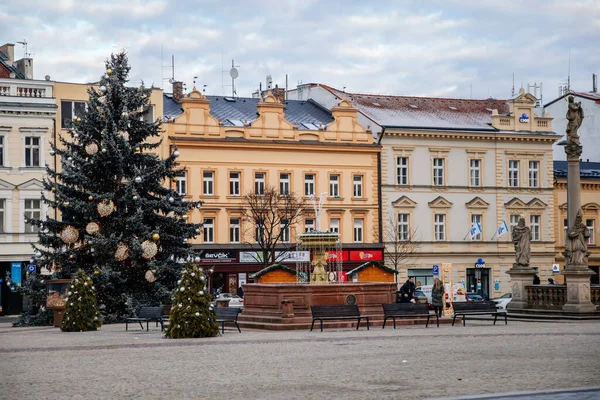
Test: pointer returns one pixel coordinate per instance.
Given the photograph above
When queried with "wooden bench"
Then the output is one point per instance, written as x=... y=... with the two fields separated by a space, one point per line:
x=228 y=314
x=147 y=315
x=407 y=310
x=476 y=308
x=336 y=312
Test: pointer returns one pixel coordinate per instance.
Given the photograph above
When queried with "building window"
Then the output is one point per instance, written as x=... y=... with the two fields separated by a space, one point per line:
x=475 y=172
x=590 y=225
x=32 y=151
x=309 y=184
x=566 y=229
x=70 y=109
x=234 y=230
x=402 y=170
x=476 y=218
x=181 y=183
x=148 y=115
x=284 y=229
x=209 y=230
x=534 y=171
x=334 y=225
x=439 y=226
x=1 y=151
x=284 y=184
x=358 y=230
x=534 y=225
x=259 y=183
x=234 y=183
x=403 y=226
x=514 y=221
x=208 y=183
x=309 y=224
x=513 y=173
x=259 y=230
x=358 y=186
x=2 y=203
x=33 y=210
x=334 y=185
x=438 y=172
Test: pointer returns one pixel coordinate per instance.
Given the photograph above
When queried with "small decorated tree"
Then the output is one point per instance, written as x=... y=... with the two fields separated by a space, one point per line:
x=192 y=315
x=81 y=313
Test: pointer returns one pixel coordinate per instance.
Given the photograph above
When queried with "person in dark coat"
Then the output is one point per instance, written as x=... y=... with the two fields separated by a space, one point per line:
x=407 y=290
x=536 y=280
x=240 y=292
x=437 y=296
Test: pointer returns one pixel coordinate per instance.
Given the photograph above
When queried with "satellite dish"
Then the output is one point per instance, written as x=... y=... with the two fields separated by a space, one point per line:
x=12 y=75
x=234 y=73
x=171 y=81
x=47 y=77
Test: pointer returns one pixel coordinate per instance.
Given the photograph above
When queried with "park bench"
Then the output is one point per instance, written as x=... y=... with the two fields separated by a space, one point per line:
x=227 y=314
x=407 y=310
x=147 y=315
x=476 y=308
x=336 y=312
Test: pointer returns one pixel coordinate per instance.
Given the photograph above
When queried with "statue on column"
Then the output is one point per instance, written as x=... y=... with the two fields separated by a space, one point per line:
x=576 y=244
x=574 y=118
x=521 y=237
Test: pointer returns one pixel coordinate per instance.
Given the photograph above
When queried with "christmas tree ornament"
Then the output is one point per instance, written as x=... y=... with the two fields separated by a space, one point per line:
x=106 y=208
x=124 y=114
x=90 y=198
x=150 y=277
x=66 y=204
x=184 y=216
x=76 y=135
x=176 y=153
x=197 y=259
x=91 y=148
x=109 y=72
x=103 y=89
x=92 y=228
x=53 y=190
x=69 y=158
x=171 y=200
x=104 y=150
x=156 y=237
x=138 y=179
x=52 y=152
x=69 y=234
x=122 y=252
x=174 y=179
x=71 y=256
x=134 y=198
x=198 y=231
x=138 y=150
x=149 y=249
x=101 y=100
x=185 y=240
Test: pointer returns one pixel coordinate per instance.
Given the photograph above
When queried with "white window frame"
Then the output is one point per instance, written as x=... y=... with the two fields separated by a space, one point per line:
x=477 y=218
x=208 y=230
x=334 y=185
x=284 y=231
x=513 y=173
x=73 y=113
x=535 y=227
x=259 y=183
x=149 y=117
x=358 y=230
x=234 y=230
x=438 y=171
x=284 y=183
x=2 y=215
x=565 y=229
x=475 y=172
x=403 y=226
x=402 y=171
x=309 y=184
x=208 y=183
x=234 y=183
x=3 y=152
x=534 y=173
x=590 y=223
x=30 y=212
x=357 y=186
x=309 y=224
x=513 y=220
x=181 y=184
x=439 y=227
x=31 y=149
x=334 y=225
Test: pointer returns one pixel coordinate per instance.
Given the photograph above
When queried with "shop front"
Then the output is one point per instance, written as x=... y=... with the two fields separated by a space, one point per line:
x=478 y=279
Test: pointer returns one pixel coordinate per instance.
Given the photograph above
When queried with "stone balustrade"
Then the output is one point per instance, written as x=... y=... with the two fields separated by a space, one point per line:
x=27 y=89
x=553 y=297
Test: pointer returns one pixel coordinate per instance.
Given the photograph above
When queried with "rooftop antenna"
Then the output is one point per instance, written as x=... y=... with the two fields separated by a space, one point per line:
x=513 y=87
x=569 y=73
x=24 y=43
x=233 y=73
x=162 y=69
x=535 y=86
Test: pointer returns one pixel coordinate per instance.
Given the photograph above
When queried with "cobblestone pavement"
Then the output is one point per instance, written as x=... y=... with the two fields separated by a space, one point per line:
x=406 y=363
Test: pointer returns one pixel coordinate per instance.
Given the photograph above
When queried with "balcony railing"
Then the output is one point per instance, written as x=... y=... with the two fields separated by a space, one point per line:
x=553 y=297
x=30 y=92
x=25 y=90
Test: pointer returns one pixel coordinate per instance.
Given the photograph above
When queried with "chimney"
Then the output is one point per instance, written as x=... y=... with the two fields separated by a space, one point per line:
x=9 y=50
x=25 y=65
x=177 y=90
x=279 y=94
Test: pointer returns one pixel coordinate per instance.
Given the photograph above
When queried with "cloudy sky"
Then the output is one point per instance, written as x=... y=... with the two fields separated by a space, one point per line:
x=446 y=48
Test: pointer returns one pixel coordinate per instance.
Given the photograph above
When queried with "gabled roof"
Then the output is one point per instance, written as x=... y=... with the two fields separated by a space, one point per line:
x=9 y=67
x=425 y=112
x=370 y=263
x=587 y=170
x=589 y=96
x=270 y=268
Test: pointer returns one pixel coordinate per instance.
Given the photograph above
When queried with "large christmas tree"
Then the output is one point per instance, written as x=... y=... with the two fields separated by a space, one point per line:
x=121 y=219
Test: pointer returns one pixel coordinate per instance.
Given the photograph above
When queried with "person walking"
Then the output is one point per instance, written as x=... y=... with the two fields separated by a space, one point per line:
x=437 y=296
x=536 y=280
x=407 y=290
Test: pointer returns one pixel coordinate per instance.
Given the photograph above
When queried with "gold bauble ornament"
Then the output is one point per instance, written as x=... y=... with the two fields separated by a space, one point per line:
x=184 y=216
x=90 y=198
x=66 y=204
x=71 y=256
x=53 y=190
x=109 y=72
x=138 y=150
x=150 y=277
x=106 y=208
x=149 y=249
x=69 y=234
x=92 y=228
x=96 y=272
x=156 y=237
x=91 y=148
x=122 y=252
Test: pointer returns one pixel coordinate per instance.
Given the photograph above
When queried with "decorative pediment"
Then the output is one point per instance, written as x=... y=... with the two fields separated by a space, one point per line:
x=270 y=98
x=526 y=98
x=440 y=202
x=477 y=202
x=6 y=185
x=536 y=203
x=591 y=207
x=404 y=202
x=563 y=206
x=32 y=184
x=515 y=203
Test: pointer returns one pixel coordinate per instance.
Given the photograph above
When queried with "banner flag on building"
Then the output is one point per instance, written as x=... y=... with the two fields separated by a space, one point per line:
x=502 y=229
x=475 y=229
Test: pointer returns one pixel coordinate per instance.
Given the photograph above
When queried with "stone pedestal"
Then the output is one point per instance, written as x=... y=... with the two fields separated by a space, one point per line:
x=578 y=290
x=519 y=278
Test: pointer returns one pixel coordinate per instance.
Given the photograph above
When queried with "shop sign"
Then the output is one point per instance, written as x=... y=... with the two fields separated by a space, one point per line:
x=333 y=256
x=555 y=268
x=217 y=256
x=15 y=273
x=280 y=256
x=31 y=268
x=436 y=270
x=366 y=255
x=251 y=257
x=524 y=118
x=480 y=263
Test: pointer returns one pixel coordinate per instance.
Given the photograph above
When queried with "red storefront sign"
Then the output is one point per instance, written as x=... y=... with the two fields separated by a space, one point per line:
x=332 y=256
x=366 y=255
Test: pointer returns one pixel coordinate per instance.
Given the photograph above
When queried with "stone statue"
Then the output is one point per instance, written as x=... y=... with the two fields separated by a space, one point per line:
x=575 y=118
x=576 y=244
x=521 y=237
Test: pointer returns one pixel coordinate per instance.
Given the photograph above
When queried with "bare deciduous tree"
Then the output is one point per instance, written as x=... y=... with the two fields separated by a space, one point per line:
x=401 y=242
x=268 y=220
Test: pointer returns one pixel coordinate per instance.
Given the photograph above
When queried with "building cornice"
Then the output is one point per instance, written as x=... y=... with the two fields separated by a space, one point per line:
x=472 y=135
